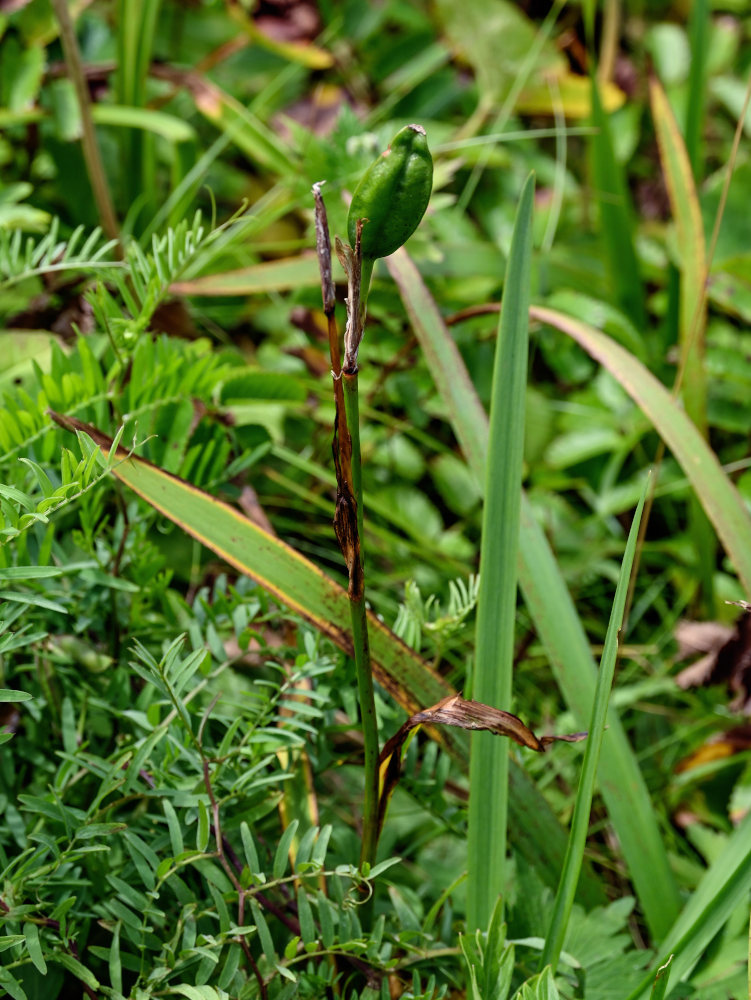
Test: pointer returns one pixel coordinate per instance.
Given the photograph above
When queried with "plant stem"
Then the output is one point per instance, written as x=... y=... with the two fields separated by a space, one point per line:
x=89 y=145
x=348 y=520
x=360 y=634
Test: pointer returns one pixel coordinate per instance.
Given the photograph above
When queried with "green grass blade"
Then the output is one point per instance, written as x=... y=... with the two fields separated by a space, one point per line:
x=724 y=886
x=553 y=613
x=496 y=606
x=699 y=32
x=300 y=585
x=564 y=900
x=660 y=985
x=719 y=497
x=136 y=21
x=252 y=137
x=589 y=9
x=167 y=126
x=616 y=217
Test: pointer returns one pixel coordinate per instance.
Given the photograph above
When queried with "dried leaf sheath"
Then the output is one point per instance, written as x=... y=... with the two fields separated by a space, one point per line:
x=345 y=513
x=345 y=527
x=351 y=260
x=464 y=714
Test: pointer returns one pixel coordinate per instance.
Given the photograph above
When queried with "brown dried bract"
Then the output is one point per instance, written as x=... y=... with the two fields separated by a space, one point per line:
x=464 y=714
x=726 y=659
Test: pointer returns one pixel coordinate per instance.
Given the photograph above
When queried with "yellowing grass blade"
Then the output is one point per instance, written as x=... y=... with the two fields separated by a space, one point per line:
x=573 y=94
x=303 y=53
x=692 y=311
x=684 y=204
x=270 y=276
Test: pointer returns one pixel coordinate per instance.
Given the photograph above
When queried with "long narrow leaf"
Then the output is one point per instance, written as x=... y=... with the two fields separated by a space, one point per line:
x=496 y=606
x=279 y=569
x=719 y=497
x=564 y=899
x=692 y=311
x=553 y=613
x=300 y=585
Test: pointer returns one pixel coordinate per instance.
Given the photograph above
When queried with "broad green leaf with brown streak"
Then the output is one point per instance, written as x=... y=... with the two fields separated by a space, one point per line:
x=278 y=568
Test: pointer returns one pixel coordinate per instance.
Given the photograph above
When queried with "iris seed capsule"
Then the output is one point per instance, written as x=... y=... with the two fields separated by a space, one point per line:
x=393 y=194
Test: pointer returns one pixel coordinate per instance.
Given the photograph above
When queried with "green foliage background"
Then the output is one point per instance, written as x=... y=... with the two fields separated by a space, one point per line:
x=147 y=691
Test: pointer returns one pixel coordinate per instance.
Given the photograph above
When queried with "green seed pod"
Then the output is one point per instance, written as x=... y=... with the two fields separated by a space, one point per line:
x=393 y=194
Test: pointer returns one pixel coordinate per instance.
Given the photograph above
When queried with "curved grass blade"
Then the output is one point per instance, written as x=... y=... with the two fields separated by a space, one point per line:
x=564 y=899
x=719 y=497
x=553 y=613
x=167 y=126
x=303 y=53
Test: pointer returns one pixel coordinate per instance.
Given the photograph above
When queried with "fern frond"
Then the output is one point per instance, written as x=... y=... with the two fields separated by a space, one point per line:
x=420 y=618
x=22 y=258
x=75 y=384
x=166 y=375
x=145 y=282
x=22 y=508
